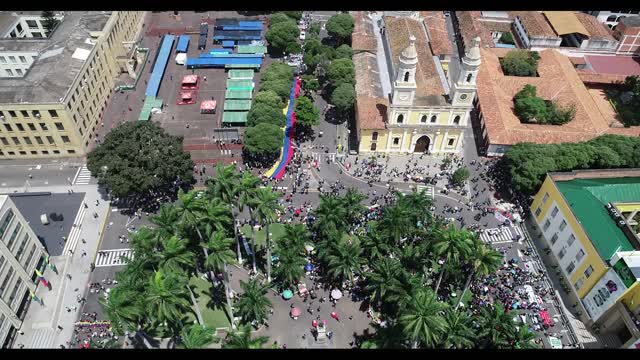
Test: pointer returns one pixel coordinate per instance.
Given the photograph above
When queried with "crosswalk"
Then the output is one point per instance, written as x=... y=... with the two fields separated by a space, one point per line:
x=496 y=236
x=83 y=176
x=431 y=191
x=322 y=156
x=113 y=257
x=74 y=235
x=43 y=338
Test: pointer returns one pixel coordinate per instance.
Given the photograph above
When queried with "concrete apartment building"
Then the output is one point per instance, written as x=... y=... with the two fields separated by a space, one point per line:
x=628 y=33
x=54 y=87
x=589 y=221
x=20 y=253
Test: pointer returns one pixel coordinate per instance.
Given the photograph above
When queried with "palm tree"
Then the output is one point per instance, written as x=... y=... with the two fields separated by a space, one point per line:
x=330 y=214
x=418 y=203
x=253 y=304
x=453 y=244
x=495 y=326
x=374 y=243
x=352 y=203
x=266 y=205
x=189 y=209
x=196 y=337
x=522 y=338
x=396 y=221
x=175 y=255
x=422 y=319
x=167 y=298
x=483 y=261
x=124 y=308
x=246 y=196
x=344 y=260
x=242 y=339
x=290 y=267
x=167 y=220
x=295 y=237
x=224 y=185
x=409 y=284
x=458 y=333
x=217 y=214
x=146 y=242
x=384 y=279
x=220 y=254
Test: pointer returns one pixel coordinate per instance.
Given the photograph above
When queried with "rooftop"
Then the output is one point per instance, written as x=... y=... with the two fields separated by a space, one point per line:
x=536 y=24
x=588 y=198
x=470 y=27
x=32 y=205
x=631 y=21
x=438 y=35
x=558 y=81
x=429 y=91
x=596 y=29
x=53 y=72
x=371 y=113
x=362 y=38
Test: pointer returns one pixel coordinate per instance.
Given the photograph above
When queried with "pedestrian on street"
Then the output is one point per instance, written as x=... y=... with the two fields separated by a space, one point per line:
x=60 y=328
x=84 y=241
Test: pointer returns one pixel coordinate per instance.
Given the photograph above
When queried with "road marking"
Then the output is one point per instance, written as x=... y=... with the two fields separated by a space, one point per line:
x=72 y=241
x=43 y=339
x=83 y=176
x=505 y=236
x=431 y=190
x=113 y=257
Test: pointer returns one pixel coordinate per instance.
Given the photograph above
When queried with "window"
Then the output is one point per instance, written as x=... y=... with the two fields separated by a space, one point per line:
x=24 y=113
x=554 y=212
x=538 y=211
x=580 y=255
x=65 y=139
x=570 y=268
x=27 y=140
x=546 y=225
x=3 y=60
x=6 y=221
x=59 y=126
x=15 y=140
x=15 y=290
x=8 y=127
x=12 y=113
x=4 y=141
x=22 y=152
x=50 y=140
x=45 y=152
x=423 y=119
x=400 y=119
x=562 y=253
x=31 y=252
x=578 y=284
x=563 y=225
x=373 y=146
x=406 y=76
x=434 y=118
x=31 y=126
x=56 y=151
x=6 y=280
x=20 y=127
x=53 y=113
x=554 y=238
x=39 y=140
x=13 y=59
x=469 y=77
x=374 y=136
x=36 y=113
x=19 y=72
x=571 y=240
x=44 y=127
x=71 y=151
x=23 y=59
x=14 y=235
x=33 y=152
x=545 y=198
x=456 y=120
x=25 y=241
x=451 y=142
x=396 y=141
x=19 y=27
x=589 y=271
x=32 y=24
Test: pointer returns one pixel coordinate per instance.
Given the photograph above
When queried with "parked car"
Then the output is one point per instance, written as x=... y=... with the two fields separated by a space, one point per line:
x=303 y=35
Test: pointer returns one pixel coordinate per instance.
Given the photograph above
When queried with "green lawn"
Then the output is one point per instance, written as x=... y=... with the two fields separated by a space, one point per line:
x=261 y=235
x=213 y=317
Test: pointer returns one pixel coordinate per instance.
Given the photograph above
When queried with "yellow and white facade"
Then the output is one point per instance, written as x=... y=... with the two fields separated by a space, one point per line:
x=607 y=290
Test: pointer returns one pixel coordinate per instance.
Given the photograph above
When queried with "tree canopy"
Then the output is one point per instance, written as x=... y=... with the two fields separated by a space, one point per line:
x=281 y=34
x=307 y=114
x=264 y=139
x=340 y=27
x=278 y=18
x=264 y=113
x=269 y=97
x=278 y=78
x=531 y=108
x=520 y=63
x=460 y=175
x=295 y=15
x=344 y=97
x=341 y=71
x=344 y=51
x=139 y=157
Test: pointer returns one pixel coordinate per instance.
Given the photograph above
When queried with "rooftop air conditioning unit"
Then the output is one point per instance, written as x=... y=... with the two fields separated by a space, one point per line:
x=44 y=219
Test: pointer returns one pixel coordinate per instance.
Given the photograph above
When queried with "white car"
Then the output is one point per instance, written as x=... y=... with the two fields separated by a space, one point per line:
x=303 y=35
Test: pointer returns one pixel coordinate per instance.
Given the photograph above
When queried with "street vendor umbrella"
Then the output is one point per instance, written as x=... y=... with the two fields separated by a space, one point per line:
x=287 y=294
x=295 y=312
x=308 y=267
x=336 y=294
x=309 y=248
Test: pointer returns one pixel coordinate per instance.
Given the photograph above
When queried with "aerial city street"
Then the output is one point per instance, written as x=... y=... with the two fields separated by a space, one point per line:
x=320 y=179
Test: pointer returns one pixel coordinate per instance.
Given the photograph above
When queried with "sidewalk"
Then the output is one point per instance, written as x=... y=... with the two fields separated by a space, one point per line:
x=41 y=323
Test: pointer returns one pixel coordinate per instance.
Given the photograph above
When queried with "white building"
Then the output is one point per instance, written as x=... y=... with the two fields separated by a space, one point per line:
x=20 y=253
x=612 y=18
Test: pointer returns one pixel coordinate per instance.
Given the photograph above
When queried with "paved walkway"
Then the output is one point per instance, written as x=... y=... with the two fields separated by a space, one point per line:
x=49 y=325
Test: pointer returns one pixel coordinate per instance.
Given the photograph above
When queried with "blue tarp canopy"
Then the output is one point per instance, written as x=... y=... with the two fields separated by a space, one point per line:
x=219 y=62
x=221 y=51
x=160 y=66
x=183 y=43
x=228 y=43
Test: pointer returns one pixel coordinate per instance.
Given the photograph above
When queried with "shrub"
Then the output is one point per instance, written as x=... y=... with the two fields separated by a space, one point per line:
x=520 y=63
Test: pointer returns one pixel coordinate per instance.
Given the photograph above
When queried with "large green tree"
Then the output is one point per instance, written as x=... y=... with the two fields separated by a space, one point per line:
x=341 y=71
x=196 y=337
x=242 y=339
x=253 y=304
x=137 y=158
x=281 y=34
x=268 y=114
x=263 y=140
x=307 y=114
x=520 y=63
x=344 y=98
x=422 y=319
x=269 y=97
x=340 y=27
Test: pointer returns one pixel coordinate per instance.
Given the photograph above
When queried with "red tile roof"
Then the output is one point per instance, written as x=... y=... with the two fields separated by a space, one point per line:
x=536 y=24
x=596 y=29
x=362 y=38
x=371 y=113
x=438 y=35
x=470 y=27
x=558 y=81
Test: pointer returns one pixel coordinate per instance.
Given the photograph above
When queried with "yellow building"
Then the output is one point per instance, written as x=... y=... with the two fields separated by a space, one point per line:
x=589 y=222
x=54 y=89
x=405 y=103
